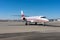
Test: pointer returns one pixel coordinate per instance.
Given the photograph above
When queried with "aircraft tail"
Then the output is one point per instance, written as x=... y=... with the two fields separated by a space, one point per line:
x=22 y=14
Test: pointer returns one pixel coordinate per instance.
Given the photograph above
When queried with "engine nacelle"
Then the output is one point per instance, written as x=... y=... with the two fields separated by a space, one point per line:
x=24 y=19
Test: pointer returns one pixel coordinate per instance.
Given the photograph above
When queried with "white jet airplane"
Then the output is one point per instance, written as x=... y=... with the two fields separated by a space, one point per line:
x=33 y=19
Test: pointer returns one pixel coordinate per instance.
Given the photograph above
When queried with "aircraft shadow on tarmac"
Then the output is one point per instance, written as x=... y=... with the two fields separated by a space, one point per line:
x=49 y=25
x=53 y=25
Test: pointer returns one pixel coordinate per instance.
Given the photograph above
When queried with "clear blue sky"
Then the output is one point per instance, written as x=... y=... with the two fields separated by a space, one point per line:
x=49 y=8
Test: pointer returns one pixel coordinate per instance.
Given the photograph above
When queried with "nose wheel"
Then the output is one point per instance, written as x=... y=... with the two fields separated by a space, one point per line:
x=44 y=24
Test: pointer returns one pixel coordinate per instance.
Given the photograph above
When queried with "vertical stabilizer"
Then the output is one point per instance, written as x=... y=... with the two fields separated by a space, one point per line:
x=22 y=14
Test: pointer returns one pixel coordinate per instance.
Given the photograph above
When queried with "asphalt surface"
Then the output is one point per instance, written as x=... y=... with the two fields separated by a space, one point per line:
x=19 y=31
x=30 y=36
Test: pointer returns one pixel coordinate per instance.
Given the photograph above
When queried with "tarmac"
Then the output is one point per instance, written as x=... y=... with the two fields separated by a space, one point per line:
x=19 y=31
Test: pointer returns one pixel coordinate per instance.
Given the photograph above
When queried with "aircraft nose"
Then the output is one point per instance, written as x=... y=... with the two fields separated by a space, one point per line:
x=47 y=20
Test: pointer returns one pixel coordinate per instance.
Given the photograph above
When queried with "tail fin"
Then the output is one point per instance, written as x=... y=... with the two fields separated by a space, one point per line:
x=22 y=14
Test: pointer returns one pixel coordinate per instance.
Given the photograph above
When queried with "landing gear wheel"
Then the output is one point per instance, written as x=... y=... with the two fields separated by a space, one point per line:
x=44 y=24
x=26 y=23
x=35 y=23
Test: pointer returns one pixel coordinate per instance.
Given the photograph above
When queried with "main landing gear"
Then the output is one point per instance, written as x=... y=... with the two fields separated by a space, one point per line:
x=27 y=23
x=35 y=23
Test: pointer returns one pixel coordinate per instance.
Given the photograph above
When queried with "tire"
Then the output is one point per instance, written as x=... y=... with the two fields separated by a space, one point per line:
x=35 y=23
x=26 y=23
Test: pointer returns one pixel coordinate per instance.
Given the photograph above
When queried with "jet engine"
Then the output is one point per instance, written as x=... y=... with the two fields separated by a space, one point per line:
x=24 y=19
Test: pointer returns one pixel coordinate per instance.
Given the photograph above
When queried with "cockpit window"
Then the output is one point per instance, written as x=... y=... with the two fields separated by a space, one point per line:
x=43 y=17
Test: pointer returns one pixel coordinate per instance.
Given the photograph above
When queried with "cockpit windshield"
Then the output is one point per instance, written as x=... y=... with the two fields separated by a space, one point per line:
x=43 y=17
